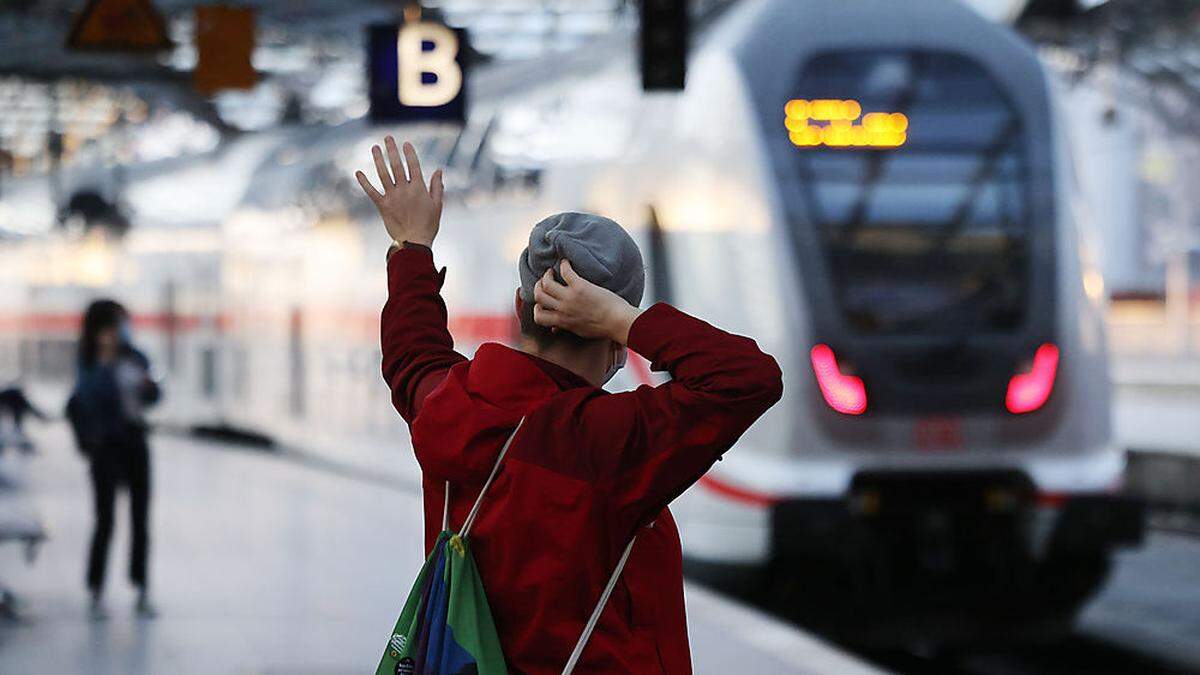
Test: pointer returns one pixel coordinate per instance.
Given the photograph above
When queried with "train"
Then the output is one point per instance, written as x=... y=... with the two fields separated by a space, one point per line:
x=883 y=195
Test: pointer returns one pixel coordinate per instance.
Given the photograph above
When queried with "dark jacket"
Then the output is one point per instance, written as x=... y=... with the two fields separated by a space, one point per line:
x=98 y=419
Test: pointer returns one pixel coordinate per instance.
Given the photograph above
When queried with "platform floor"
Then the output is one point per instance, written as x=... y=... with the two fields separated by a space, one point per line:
x=264 y=565
x=1158 y=418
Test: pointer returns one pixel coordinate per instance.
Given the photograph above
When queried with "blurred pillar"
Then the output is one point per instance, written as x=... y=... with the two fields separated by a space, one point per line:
x=6 y=165
x=54 y=149
x=1177 y=297
x=120 y=138
x=296 y=398
x=170 y=332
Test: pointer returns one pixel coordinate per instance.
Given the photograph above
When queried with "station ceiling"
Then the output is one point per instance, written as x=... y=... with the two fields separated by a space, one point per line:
x=310 y=53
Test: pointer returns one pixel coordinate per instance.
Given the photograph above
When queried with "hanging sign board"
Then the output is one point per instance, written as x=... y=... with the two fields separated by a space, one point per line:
x=416 y=72
x=119 y=26
x=224 y=45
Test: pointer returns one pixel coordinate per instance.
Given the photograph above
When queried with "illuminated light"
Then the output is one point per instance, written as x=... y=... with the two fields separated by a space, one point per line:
x=875 y=122
x=875 y=130
x=1093 y=285
x=795 y=123
x=886 y=139
x=844 y=393
x=826 y=109
x=797 y=109
x=806 y=136
x=1029 y=391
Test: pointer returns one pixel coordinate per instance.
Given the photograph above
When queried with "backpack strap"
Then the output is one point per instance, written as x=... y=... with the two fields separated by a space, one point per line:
x=466 y=528
x=595 y=617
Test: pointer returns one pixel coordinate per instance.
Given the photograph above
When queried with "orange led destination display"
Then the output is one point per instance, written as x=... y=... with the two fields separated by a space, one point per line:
x=841 y=127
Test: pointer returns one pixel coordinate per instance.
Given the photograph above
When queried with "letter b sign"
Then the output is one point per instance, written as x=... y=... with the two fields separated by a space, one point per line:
x=416 y=74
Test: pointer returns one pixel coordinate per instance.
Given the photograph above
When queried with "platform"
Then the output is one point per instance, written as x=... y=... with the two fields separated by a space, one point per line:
x=267 y=565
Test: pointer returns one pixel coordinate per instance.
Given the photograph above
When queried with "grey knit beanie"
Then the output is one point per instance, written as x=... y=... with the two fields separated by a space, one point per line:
x=598 y=248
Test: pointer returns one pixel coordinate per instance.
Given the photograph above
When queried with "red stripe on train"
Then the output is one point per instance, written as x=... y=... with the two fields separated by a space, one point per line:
x=70 y=321
x=735 y=493
x=469 y=327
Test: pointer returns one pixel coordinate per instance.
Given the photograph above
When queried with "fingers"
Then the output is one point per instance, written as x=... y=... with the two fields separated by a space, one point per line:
x=568 y=273
x=367 y=187
x=381 y=168
x=436 y=188
x=393 y=154
x=550 y=285
x=544 y=299
x=546 y=317
x=414 y=165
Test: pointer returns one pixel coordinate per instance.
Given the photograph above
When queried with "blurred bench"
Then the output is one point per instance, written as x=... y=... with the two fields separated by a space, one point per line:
x=19 y=524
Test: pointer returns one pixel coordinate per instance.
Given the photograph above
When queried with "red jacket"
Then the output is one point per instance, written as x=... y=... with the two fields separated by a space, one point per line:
x=587 y=470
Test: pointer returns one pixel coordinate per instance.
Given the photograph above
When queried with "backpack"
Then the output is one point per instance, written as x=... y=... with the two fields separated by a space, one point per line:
x=446 y=626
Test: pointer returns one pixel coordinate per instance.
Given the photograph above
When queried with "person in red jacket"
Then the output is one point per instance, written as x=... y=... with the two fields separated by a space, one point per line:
x=588 y=470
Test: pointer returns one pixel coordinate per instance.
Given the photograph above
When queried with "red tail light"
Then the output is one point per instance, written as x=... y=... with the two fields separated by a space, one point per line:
x=844 y=393
x=1028 y=391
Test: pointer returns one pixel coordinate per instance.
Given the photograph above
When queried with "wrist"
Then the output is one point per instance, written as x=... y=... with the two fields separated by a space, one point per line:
x=427 y=242
x=623 y=322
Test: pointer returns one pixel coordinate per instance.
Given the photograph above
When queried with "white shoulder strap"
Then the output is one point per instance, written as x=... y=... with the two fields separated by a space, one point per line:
x=591 y=624
x=466 y=528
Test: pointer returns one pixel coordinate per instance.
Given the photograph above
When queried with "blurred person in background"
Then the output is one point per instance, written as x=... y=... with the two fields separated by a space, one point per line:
x=14 y=406
x=588 y=470
x=107 y=413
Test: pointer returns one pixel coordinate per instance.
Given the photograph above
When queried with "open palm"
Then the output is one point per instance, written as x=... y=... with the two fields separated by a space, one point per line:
x=410 y=210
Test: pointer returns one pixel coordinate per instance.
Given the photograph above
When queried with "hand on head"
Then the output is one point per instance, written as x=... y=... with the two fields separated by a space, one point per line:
x=579 y=306
x=410 y=210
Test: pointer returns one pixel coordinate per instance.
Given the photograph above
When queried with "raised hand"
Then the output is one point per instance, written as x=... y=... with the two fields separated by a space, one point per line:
x=410 y=210
x=581 y=307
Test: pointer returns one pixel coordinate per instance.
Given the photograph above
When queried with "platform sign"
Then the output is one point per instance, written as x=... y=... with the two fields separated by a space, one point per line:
x=224 y=47
x=119 y=26
x=416 y=72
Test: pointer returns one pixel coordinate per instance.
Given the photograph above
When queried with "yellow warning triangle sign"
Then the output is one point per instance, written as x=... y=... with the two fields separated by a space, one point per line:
x=119 y=25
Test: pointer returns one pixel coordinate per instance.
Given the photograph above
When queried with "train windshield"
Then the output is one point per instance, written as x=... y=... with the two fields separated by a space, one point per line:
x=918 y=192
